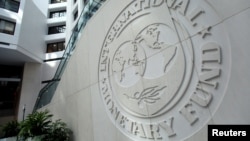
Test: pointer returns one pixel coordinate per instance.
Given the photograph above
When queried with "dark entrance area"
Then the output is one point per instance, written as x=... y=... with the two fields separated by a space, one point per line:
x=10 y=86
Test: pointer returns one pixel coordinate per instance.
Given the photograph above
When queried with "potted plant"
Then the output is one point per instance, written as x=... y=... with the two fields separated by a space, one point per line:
x=10 y=131
x=36 y=125
x=58 y=131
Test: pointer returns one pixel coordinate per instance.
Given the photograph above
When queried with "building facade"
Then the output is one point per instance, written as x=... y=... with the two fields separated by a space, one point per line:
x=146 y=70
x=157 y=70
x=22 y=42
x=31 y=47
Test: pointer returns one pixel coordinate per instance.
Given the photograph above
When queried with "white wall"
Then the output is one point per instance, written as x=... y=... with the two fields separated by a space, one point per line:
x=42 y=5
x=79 y=101
x=28 y=38
x=32 y=32
x=31 y=85
x=13 y=17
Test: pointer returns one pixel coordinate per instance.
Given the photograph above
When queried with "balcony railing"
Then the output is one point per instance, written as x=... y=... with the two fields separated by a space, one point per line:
x=10 y=5
x=47 y=92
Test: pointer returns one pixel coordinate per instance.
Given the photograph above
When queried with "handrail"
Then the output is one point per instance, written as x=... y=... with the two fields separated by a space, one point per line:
x=46 y=93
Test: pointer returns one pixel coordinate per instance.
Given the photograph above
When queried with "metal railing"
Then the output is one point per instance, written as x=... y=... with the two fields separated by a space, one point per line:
x=47 y=92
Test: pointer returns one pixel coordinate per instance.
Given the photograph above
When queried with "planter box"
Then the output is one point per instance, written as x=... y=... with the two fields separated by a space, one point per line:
x=8 y=139
x=37 y=138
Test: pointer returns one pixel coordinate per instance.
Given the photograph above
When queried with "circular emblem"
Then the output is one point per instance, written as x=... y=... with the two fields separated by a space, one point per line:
x=160 y=67
x=144 y=67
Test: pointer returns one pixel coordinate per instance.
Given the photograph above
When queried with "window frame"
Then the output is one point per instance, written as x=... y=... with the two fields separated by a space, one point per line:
x=12 y=32
x=56 y=29
x=61 y=13
x=4 y=4
x=57 y=1
x=75 y=15
x=55 y=47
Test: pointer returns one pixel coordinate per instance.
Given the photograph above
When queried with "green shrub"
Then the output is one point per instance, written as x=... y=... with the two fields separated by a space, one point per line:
x=11 y=129
x=39 y=127
x=36 y=124
x=58 y=131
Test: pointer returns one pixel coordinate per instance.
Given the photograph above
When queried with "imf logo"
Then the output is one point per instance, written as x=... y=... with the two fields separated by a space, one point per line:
x=149 y=70
x=163 y=70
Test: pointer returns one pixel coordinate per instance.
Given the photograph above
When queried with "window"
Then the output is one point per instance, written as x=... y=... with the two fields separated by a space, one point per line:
x=75 y=15
x=57 y=1
x=85 y=1
x=7 y=27
x=54 y=47
x=11 y=5
x=56 y=14
x=57 y=29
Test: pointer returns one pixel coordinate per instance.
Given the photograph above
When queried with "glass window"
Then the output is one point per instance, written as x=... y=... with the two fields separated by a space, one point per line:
x=75 y=15
x=7 y=27
x=2 y=3
x=61 y=46
x=54 y=47
x=57 y=14
x=57 y=29
x=11 y=5
x=57 y=1
x=85 y=2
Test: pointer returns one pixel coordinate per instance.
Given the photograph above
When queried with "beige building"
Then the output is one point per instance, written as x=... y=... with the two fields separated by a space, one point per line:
x=148 y=70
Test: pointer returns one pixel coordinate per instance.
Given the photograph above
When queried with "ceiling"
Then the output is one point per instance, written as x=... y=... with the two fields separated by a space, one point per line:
x=13 y=57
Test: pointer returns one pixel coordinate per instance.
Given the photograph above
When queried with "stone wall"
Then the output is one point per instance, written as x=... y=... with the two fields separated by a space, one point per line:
x=158 y=70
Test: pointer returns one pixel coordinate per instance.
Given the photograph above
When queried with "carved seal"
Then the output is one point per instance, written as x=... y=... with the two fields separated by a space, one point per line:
x=160 y=68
